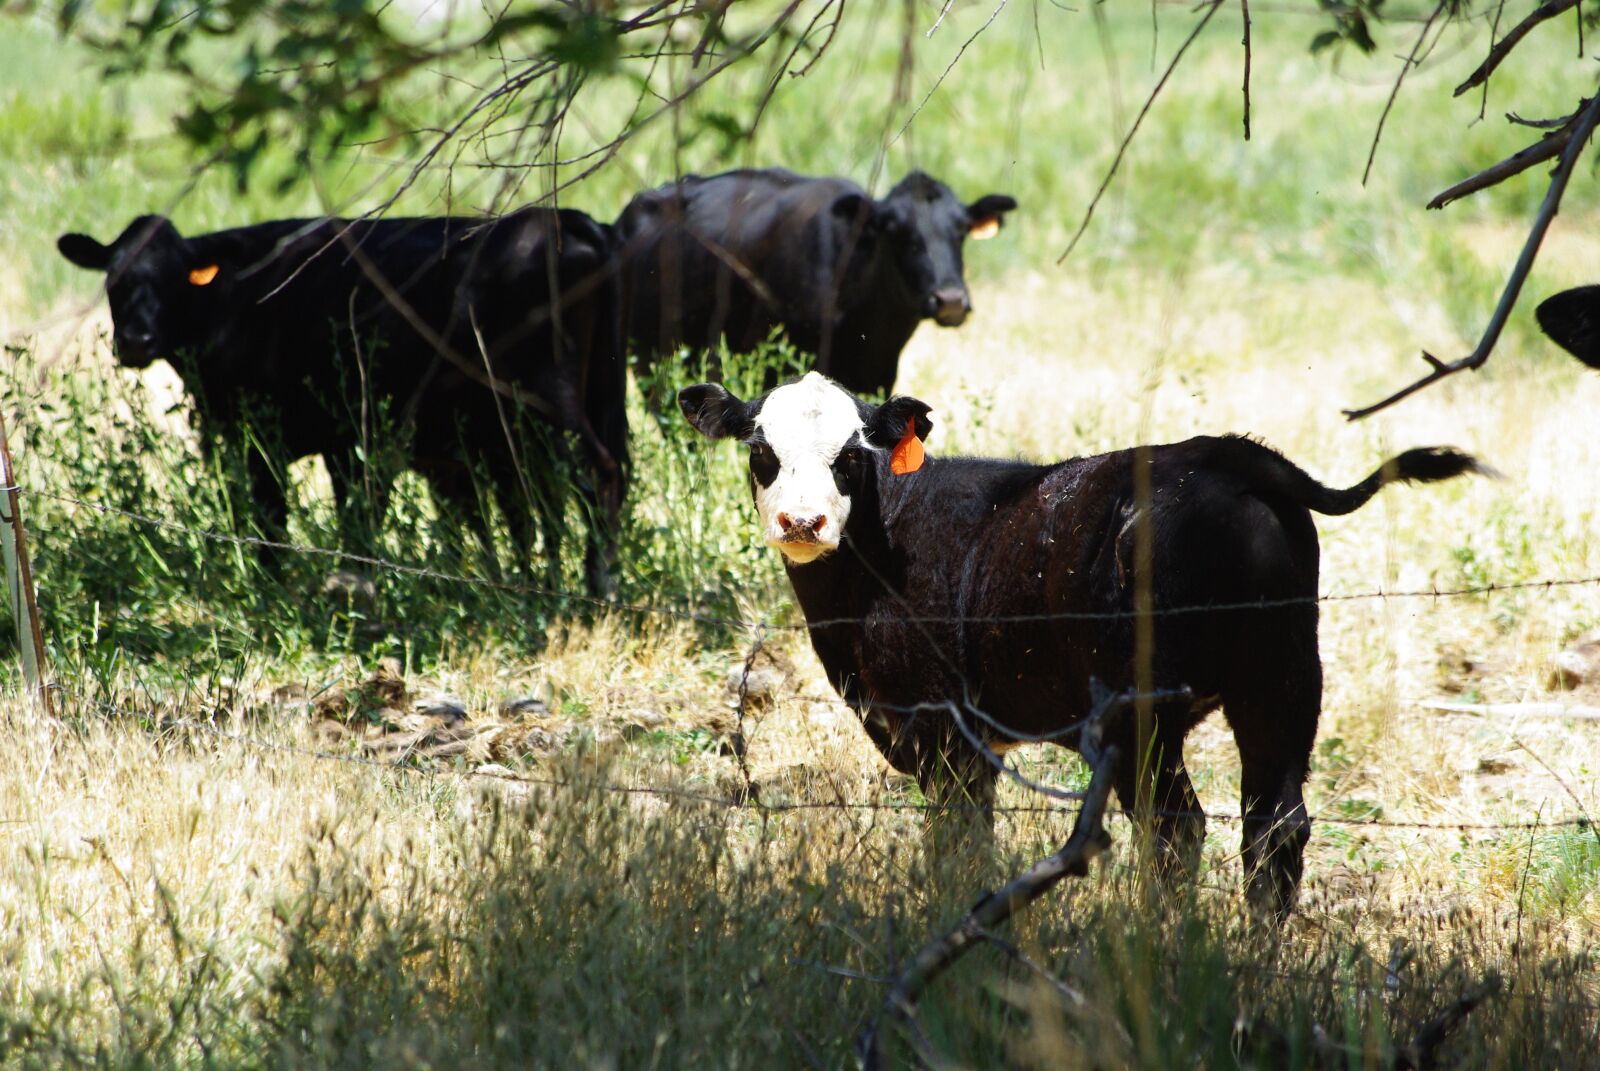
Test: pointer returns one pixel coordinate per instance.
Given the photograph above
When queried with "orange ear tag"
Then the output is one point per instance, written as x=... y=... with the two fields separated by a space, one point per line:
x=907 y=455
x=203 y=276
x=984 y=228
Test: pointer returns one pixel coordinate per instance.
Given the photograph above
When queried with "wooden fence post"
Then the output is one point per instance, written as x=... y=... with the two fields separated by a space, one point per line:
x=19 y=578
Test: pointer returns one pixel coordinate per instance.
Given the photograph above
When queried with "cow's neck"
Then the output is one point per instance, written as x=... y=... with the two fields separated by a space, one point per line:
x=836 y=593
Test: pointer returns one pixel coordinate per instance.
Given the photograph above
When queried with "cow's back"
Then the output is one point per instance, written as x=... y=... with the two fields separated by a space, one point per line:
x=734 y=254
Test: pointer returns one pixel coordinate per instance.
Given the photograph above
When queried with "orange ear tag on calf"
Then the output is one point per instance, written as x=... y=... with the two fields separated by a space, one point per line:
x=203 y=276
x=907 y=455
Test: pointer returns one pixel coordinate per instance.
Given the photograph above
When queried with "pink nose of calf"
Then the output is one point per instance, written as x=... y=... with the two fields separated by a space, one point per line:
x=801 y=529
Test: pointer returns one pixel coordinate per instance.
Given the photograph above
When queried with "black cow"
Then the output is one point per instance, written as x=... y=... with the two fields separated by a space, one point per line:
x=845 y=277
x=1006 y=587
x=1572 y=320
x=466 y=334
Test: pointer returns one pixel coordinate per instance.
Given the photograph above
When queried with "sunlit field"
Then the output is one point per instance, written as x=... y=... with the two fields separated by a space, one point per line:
x=256 y=835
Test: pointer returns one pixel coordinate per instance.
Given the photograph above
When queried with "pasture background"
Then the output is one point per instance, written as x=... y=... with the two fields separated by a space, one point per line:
x=172 y=897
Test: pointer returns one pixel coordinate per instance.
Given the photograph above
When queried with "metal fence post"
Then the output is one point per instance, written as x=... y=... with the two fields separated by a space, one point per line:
x=19 y=577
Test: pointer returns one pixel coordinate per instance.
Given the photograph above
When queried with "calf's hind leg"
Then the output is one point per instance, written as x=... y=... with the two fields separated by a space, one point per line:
x=1274 y=721
x=1177 y=820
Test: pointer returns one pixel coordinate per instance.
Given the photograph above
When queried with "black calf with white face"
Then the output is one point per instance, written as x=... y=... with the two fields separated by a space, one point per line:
x=1008 y=589
x=922 y=227
x=166 y=293
x=813 y=449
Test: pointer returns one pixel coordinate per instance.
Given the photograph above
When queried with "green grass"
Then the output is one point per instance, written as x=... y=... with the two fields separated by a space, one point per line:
x=172 y=898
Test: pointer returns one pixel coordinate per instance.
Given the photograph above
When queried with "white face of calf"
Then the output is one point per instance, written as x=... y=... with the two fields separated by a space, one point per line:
x=811 y=453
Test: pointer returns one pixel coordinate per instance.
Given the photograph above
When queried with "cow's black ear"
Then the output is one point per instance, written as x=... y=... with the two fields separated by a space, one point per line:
x=713 y=411
x=84 y=251
x=887 y=425
x=855 y=208
x=988 y=213
x=1572 y=320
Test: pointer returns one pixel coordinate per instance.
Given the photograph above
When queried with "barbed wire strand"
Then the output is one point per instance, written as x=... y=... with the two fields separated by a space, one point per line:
x=688 y=613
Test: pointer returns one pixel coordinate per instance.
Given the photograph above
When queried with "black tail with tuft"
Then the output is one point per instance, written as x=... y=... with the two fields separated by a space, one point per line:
x=1425 y=464
x=1272 y=473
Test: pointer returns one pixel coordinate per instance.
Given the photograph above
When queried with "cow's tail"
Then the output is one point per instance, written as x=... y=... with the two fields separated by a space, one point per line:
x=1273 y=473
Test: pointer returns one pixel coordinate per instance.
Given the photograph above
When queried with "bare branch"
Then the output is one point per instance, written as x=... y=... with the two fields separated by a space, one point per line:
x=1087 y=841
x=1244 y=7
x=1134 y=129
x=1405 y=68
x=1519 y=273
x=1001 y=6
x=1552 y=144
x=1543 y=13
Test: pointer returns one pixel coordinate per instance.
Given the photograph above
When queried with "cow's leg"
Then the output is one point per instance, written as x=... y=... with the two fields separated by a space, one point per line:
x=361 y=501
x=270 y=501
x=1275 y=726
x=454 y=494
x=959 y=785
x=957 y=782
x=1177 y=823
x=600 y=485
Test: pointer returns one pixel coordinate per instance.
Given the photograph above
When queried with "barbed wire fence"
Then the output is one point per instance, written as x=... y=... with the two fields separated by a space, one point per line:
x=759 y=630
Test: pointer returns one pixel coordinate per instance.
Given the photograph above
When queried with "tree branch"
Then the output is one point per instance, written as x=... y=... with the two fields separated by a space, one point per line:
x=1411 y=61
x=1543 y=13
x=1550 y=145
x=1087 y=841
x=1244 y=7
x=1134 y=129
x=1519 y=274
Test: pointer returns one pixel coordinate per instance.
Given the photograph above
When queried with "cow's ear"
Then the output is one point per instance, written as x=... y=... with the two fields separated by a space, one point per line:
x=1572 y=320
x=713 y=411
x=856 y=208
x=987 y=214
x=887 y=425
x=84 y=251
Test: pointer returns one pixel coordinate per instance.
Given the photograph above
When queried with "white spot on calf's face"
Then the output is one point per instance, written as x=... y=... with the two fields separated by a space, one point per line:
x=805 y=425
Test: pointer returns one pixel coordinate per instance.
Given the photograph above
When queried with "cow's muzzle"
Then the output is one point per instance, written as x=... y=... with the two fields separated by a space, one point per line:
x=804 y=539
x=949 y=306
x=135 y=349
x=802 y=529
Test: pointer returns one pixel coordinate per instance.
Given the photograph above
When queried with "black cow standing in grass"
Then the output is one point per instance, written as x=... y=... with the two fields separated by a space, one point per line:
x=845 y=277
x=1572 y=320
x=1006 y=587
x=483 y=342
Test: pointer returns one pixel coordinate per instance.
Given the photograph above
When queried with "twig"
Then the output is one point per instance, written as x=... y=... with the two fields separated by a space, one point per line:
x=1497 y=54
x=1134 y=129
x=1519 y=274
x=1562 y=781
x=1001 y=6
x=1405 y=68
x=1244 y=8
x=1550 y=145
x=1494 y=34
x=1087 y=841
